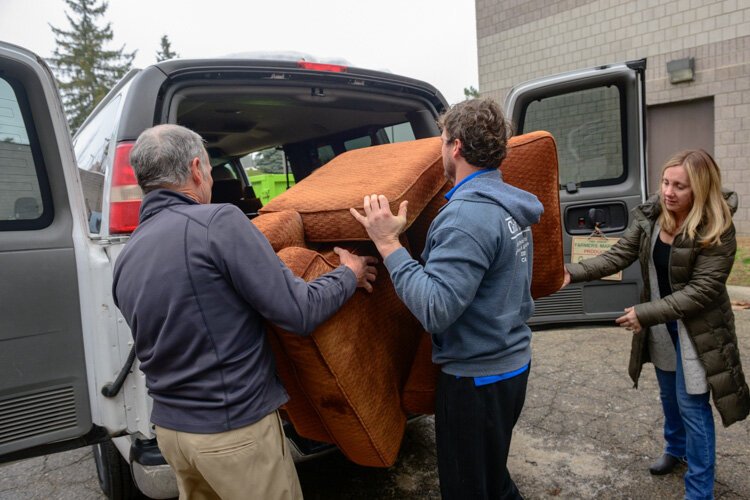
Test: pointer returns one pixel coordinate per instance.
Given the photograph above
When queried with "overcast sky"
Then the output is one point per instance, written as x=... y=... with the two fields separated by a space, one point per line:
x=431 y=40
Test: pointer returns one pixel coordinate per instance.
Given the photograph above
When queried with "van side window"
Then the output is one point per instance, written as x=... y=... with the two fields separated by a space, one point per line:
x=223 y=172
x=357 y=143
x=24 y=198
x=587 y=126
x=91 y=145
x=265 y=173
x=401 y=132
x=325 y=154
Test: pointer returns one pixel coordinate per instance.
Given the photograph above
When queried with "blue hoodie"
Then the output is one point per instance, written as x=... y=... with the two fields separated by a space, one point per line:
x=474 y=292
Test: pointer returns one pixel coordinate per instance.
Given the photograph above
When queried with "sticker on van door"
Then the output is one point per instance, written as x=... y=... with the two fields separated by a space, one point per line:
x=586 y=247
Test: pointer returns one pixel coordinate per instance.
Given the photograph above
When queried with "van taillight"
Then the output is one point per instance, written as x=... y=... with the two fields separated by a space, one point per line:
x=333 y=68
x=125 y=195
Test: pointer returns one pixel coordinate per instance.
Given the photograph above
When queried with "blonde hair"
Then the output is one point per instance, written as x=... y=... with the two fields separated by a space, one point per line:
x=709 y=216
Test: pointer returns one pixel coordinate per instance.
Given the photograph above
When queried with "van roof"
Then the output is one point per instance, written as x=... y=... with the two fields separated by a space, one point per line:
x=174 y=68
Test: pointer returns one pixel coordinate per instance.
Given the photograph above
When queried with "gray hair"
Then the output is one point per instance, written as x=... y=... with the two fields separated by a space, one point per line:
x=162 y=154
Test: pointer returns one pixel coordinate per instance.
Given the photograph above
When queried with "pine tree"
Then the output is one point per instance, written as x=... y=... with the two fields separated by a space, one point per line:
x=470 y=92
x=270 y=161
x=166 y=50
x=85 y=70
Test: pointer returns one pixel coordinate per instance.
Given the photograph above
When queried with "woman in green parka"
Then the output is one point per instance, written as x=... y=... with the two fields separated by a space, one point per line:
x=685 y=242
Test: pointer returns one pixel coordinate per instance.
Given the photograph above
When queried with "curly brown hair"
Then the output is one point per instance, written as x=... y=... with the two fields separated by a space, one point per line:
x=482 y=129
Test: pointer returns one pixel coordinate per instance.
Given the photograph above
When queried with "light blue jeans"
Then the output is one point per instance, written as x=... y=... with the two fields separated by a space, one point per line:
x=688 y=430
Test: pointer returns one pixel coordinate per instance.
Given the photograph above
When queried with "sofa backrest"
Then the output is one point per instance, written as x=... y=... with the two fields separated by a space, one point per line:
x=402 y=171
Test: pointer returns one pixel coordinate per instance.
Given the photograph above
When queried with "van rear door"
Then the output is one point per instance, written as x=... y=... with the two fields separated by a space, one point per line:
x=43 y=387
x=597 y=119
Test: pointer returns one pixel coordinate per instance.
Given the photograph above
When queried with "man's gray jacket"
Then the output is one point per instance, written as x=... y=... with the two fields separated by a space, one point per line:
x=195 y=283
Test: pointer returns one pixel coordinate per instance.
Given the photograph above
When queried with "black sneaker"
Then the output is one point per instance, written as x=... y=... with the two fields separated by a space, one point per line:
x=665 y=464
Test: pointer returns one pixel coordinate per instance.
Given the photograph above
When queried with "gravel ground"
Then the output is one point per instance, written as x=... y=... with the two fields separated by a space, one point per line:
x=584 y=433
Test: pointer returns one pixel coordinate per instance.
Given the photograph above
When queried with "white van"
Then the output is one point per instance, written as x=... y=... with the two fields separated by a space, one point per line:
x=68 y=377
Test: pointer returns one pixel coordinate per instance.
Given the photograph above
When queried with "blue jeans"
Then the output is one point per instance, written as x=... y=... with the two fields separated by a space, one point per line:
x=688 y=429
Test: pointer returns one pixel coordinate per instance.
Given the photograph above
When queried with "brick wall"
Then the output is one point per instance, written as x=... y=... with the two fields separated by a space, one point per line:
x=519 y=40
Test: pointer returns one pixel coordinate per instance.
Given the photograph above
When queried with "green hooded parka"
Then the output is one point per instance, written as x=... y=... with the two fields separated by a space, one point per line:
x=699 y=298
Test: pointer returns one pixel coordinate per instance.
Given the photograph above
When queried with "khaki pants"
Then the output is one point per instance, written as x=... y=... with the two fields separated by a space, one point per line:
x=250 y=462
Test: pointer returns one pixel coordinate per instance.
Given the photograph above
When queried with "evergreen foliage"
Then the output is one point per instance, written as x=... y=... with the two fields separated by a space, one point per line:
x=470 y=92
x=85 y=69
x=166 y=51
x=270 y=161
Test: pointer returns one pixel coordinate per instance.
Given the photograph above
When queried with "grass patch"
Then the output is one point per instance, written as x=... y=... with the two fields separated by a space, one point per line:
x=740 y=274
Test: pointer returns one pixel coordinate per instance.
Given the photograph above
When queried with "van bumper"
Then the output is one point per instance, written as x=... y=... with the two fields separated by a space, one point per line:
x=154 y=477
x=151 y=473
x=154 y=481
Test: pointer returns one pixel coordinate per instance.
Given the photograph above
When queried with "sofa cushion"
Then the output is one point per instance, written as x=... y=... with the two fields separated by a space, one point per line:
x=531 y=164
x=283 y=229
x=353 y=367
x=299 y=410
x=416 y=235
x=418 y=396
x=403 y=171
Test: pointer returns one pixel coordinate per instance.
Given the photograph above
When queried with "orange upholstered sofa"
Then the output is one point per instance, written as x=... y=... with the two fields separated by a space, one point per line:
x=357 y=377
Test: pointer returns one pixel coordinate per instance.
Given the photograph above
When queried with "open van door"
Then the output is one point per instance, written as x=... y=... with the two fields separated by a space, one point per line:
x=44 y=399
x=597 y=119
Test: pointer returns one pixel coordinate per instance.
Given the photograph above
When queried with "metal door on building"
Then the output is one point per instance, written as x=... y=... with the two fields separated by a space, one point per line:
x=676 y=126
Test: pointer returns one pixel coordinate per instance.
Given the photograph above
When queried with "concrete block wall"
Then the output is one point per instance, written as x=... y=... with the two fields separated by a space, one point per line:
x=522 y=39
x=17 y=179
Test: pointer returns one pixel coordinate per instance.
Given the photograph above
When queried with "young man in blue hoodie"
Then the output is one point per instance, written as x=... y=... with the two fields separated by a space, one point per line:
x=473 y=295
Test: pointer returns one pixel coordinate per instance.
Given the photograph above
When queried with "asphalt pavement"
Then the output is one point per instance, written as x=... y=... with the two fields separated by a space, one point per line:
x=585 y=432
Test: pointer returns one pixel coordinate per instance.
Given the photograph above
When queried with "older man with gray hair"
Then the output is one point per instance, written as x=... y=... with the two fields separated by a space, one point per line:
x=195 y=284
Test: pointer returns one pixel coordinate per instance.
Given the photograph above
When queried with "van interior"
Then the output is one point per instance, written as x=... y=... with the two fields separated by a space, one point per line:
x=310 y=126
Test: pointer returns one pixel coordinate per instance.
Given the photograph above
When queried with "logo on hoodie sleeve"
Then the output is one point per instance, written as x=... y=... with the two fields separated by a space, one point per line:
x=520 y=236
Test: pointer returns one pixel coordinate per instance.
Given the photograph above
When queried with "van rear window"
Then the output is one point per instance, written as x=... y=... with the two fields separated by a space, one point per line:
x=91 y=145
x=587 y=126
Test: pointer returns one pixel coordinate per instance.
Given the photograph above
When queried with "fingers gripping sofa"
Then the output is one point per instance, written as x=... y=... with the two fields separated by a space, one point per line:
x=357 y=377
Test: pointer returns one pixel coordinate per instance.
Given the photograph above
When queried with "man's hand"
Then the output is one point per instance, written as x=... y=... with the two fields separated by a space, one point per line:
x=382 y=226
x=629 y=320
x=363 y=267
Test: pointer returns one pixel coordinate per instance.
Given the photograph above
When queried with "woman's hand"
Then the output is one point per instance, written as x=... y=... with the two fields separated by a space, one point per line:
x=629 y=320
x=566 y=278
